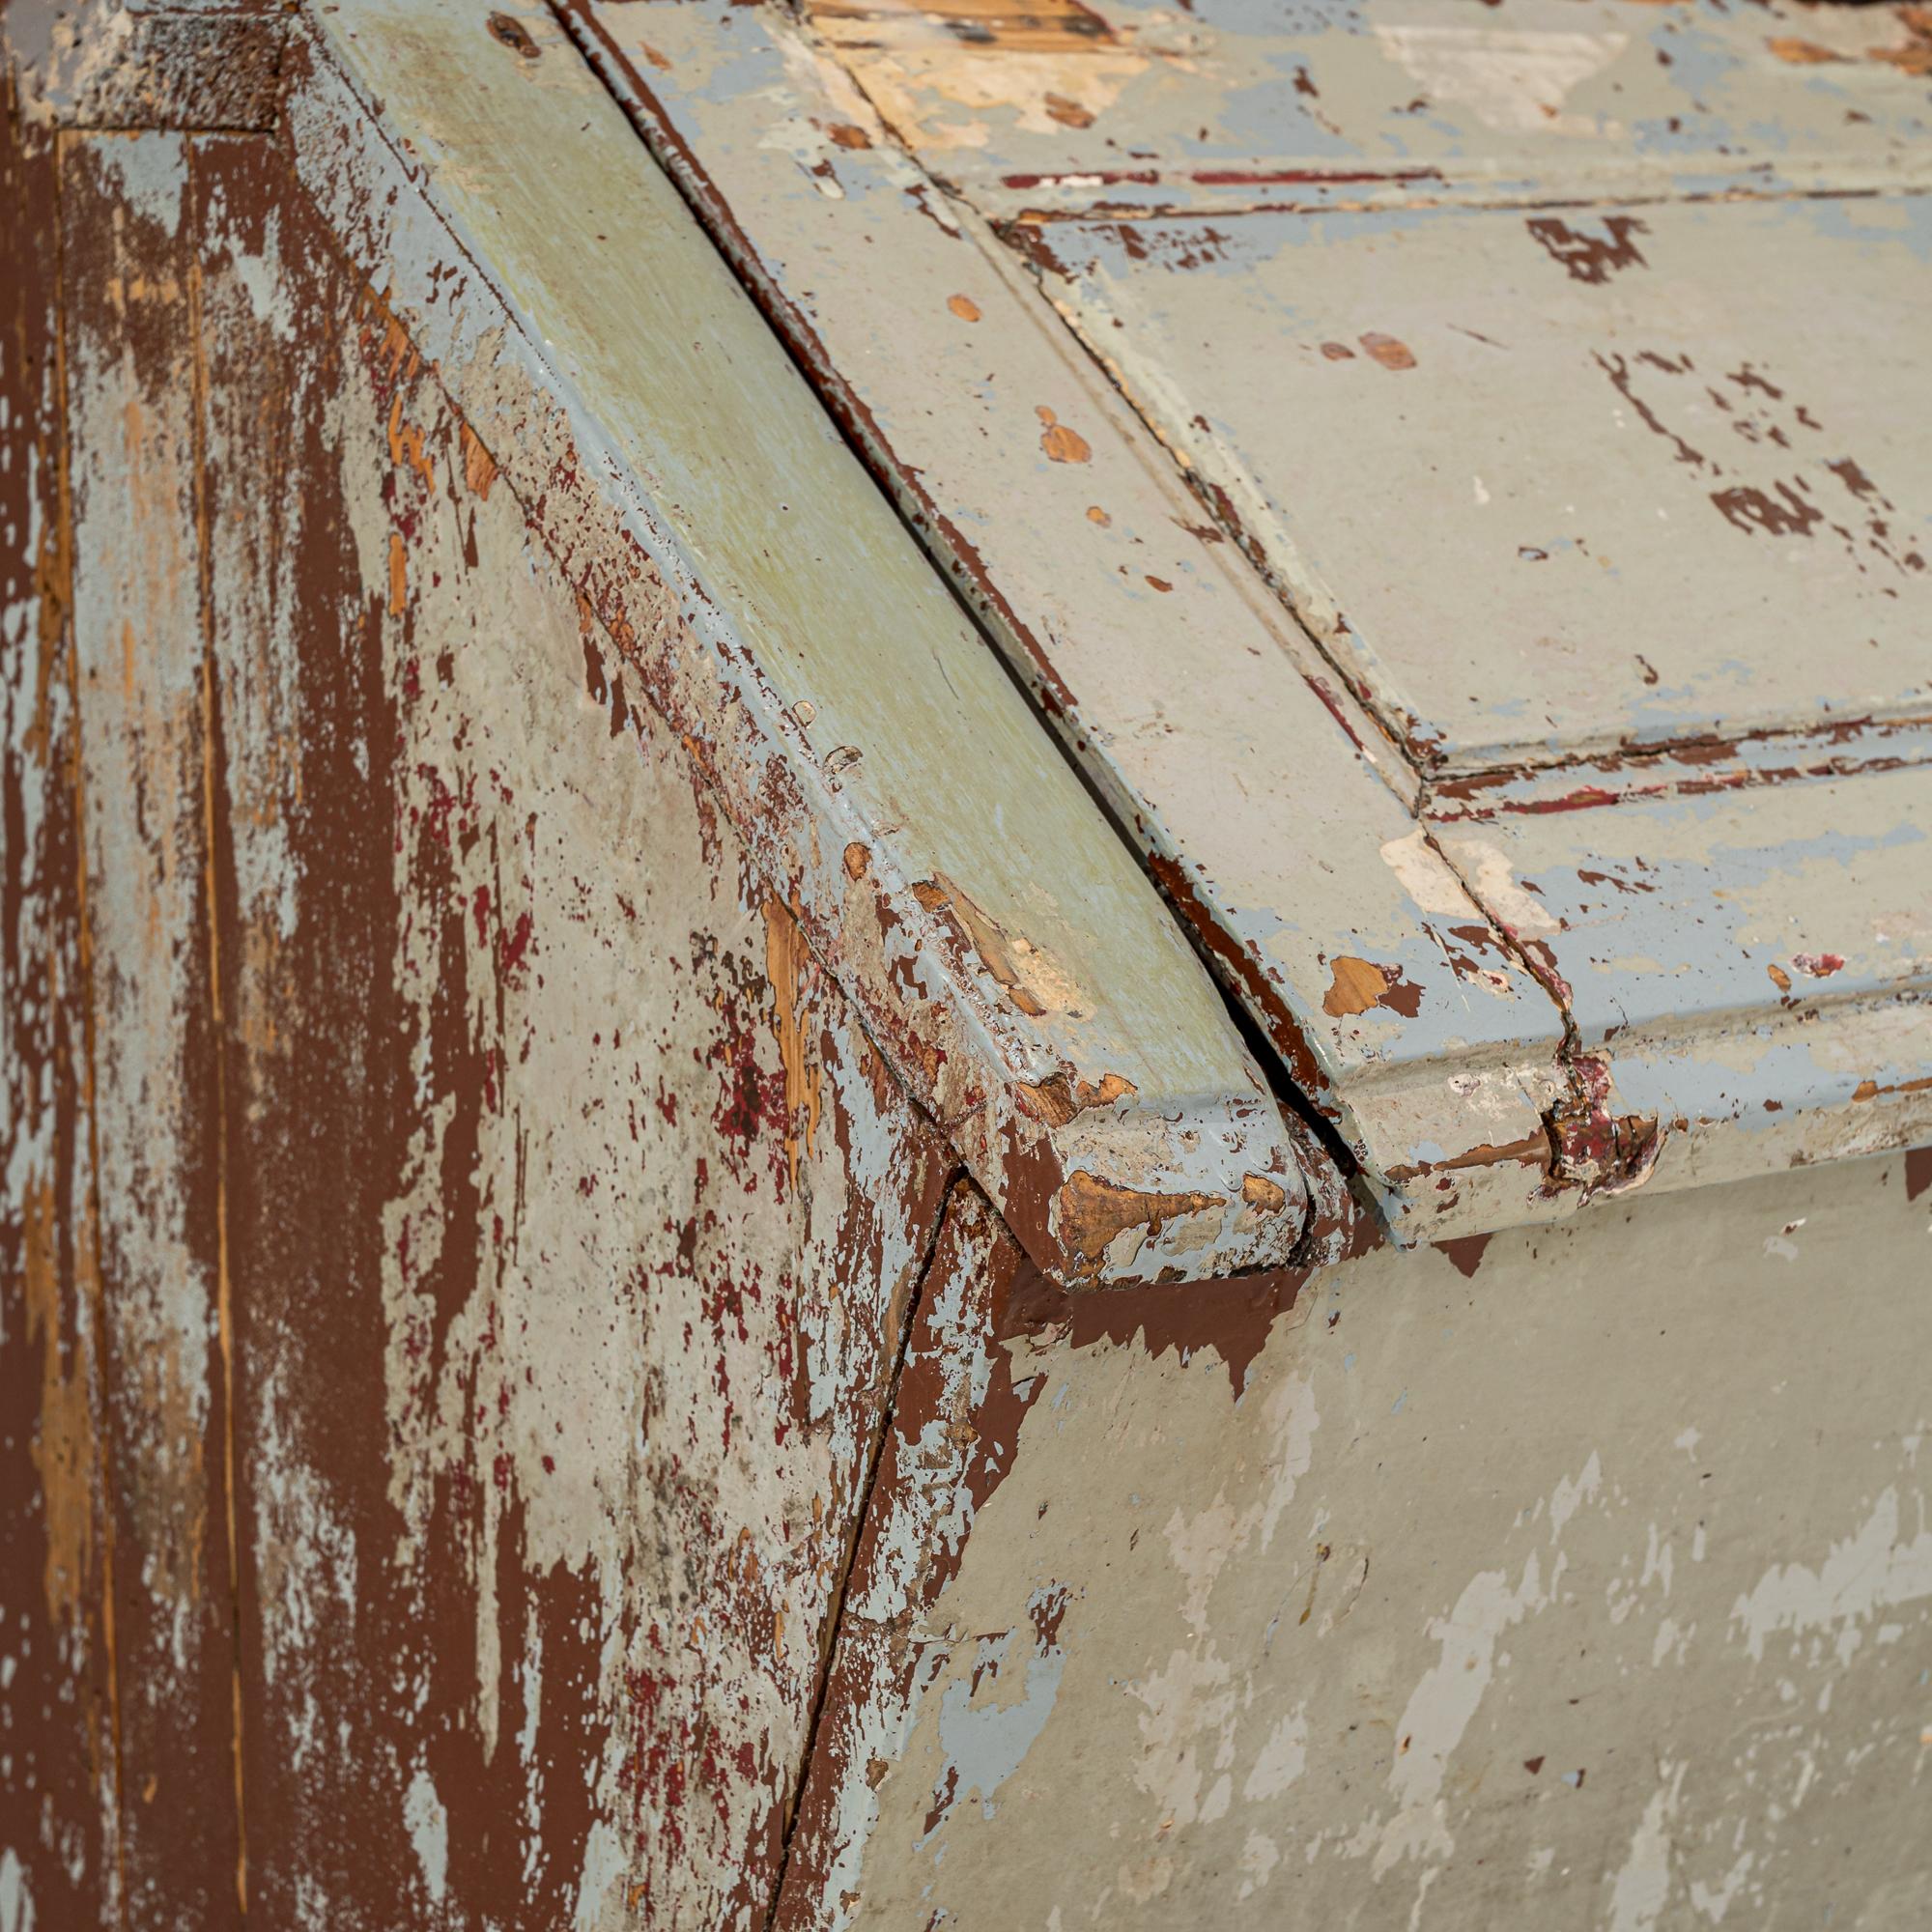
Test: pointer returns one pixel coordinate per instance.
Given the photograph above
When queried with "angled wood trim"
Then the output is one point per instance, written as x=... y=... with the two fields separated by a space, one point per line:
x=1010 y=959
x=1275 y=816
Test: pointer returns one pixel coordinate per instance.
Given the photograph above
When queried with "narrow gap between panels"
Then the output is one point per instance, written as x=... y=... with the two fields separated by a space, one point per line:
x=957 y=1187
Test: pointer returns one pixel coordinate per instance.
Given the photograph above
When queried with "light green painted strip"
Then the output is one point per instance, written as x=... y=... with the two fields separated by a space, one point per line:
x=836 y=636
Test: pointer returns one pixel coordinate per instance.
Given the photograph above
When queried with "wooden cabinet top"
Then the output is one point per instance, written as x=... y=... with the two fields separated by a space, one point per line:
x=1449 y=481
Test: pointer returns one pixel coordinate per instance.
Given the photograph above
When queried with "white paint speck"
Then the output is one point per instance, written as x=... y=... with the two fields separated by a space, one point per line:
x=1566 y=1498
x=16 y=1902
x=1715 y=1901
x=428 y=1823
x=1870 y=1571
x=1281 y=1760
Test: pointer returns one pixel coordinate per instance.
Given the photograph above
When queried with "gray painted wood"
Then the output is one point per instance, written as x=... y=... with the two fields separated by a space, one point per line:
x=1321 y=325
x=1597 y=489
x=941 y=856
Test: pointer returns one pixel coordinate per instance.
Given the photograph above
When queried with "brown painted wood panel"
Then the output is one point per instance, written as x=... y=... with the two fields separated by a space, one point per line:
x=568 y=1213
x=506 y=1228
x=129 y=314
x=57 y=1765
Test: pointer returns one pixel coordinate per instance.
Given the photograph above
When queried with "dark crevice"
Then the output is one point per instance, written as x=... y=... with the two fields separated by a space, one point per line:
x=1292 y=1099
x=957 y=1186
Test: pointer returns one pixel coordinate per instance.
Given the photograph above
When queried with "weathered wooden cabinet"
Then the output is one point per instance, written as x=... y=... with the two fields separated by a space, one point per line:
x=966 y=968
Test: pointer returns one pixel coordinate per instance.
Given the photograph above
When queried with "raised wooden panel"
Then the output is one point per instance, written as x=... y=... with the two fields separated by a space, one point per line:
x=1355 y=424
x=1559 y=481
x=1270 y=807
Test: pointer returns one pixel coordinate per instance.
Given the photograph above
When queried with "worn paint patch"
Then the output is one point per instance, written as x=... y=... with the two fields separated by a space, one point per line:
x=1387 y=350
x=789 y=968
x=1591 y=257
x=1358 y=985
x=1093 y=1212
x=1883 y=1566
x=1062 y=442
x=1513 y=81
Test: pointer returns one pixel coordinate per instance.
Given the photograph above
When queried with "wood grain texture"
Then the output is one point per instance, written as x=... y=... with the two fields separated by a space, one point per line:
x=140 y=657
x=59 y=1786
x=514 y=1411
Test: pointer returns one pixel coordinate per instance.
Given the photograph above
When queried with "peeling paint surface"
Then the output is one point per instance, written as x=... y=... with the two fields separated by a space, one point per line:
x=59 y=1797
x=140 y=651
x=1513 y=268
x=443 y=1424
x=1418 y=1621
x=643 y=1280
x=1791 y=1024
x=1598 y=422
x=1216 y=106
x=708 y=510
x=1177 y=699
